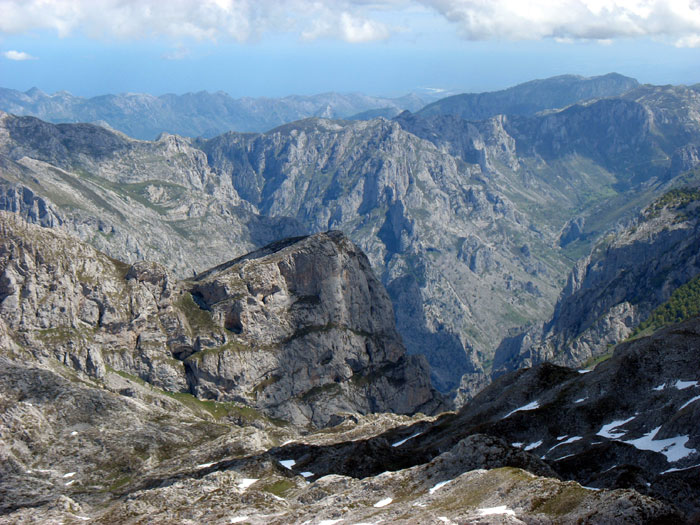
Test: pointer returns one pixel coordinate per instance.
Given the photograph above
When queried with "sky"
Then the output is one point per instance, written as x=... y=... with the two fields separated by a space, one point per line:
x=275 y=48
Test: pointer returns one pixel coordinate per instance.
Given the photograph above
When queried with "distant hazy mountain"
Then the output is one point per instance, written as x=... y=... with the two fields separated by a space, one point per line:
x=531 y=97
x=201 y=114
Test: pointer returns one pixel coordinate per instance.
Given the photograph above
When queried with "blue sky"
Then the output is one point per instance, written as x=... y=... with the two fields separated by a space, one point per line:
x=381 y=47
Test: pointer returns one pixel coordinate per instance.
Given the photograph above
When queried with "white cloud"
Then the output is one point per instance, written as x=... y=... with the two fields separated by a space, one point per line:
x=677 y=21
x=347 y=26
x=18 y=55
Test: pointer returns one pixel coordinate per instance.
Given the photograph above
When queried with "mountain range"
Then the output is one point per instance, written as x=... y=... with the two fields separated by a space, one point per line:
x=203 y=114
x=484 y=310
x=471 y=226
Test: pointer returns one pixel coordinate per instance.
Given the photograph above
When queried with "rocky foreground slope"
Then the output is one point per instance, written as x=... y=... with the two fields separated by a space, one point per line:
x=98 y=422
x=633 y=422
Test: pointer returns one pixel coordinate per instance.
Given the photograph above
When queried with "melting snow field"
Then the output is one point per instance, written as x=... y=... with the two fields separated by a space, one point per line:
x=245 y=483
x=608 y=431
x=673 y=448
x=496 y=510
x=679 y=469
x=439 y=486
x=534 y=445
x=682 y=385
x=288 y=463
x=399 y=443
x=570 y=440
x=383 y=503
x=689 y=402
x=529 y=406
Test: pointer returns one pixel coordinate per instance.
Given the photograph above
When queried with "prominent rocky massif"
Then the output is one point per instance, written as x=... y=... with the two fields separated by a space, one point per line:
x=201 y=114
x=471 y=226
x=616 y=287
x=302 y=330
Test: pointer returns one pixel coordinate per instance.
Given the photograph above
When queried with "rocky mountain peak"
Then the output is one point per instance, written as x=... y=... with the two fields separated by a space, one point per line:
x=301 y=329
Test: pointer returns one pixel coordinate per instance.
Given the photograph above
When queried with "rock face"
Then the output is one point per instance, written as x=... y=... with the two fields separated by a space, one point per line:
x=301 y=330
x=616 y=287
x=311 y=335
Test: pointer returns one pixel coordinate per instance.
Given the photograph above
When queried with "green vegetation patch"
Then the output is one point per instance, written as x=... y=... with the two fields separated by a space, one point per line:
x=565 y=501
x=683 y=304
x=197 y=318
x=675 y=199
x=279 y=488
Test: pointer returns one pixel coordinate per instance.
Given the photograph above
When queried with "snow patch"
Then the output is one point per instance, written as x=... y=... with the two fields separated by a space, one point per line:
x=534 y=445
x=660 y=387
x=204 y=465
x=496 y=510
x=239 y=519
x=679 y=469
x=399 y=443
x=383 y=503
x=584 y=371
x=530 y=406
x=439 y=486
x=517 y=444
x=288 y=463
x=570 y=440
x=245 y=483
x=329 y=522
x=608 y=431
x=580 y=400
x=74 y=433
x=563 y=457
x=689 y=402
x=673 y=448
x=70 y=482
x=307 y=474
x=69 y=475
x=682 y=385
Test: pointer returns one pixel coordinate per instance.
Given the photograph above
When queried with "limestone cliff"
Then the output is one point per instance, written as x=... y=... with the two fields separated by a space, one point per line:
x=613 y=289
x=301 y=330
